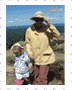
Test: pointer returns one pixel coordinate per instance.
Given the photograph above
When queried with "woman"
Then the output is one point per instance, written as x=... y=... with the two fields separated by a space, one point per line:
x=38 y=48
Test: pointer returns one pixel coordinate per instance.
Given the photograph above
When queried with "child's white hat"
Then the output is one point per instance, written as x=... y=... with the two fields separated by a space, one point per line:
x=16 y=44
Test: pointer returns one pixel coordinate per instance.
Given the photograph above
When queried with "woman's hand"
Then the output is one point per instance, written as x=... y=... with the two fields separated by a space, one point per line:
x=30 y=65
x=47 y=21
x=46 y=18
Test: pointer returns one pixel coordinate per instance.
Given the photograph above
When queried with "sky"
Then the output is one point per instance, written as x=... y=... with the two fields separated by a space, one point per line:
x=18 y=15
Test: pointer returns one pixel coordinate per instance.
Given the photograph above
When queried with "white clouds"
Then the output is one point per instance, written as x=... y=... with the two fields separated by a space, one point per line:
x=58 y=18
x=11 y=21
x=52 y=18
x=55 y=18
x=20 y=20
x=60 y=9
x=16 y=19
x=24 y=20
x=62 y=17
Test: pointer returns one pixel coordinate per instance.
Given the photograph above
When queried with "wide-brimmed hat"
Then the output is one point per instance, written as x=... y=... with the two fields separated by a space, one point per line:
x=38 y=15
x=16 y=44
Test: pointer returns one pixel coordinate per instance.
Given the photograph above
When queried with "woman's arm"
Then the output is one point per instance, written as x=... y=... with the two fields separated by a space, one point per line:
x=51 y=31
x=51 y=28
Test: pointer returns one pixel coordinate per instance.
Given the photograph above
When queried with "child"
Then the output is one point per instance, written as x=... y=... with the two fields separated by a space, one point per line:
x=21 y=67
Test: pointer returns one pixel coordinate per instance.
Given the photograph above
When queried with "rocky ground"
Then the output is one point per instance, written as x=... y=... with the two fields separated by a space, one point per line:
x=56 y=74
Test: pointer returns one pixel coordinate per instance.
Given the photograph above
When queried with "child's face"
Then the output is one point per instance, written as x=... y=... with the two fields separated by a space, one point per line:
x=17 y=50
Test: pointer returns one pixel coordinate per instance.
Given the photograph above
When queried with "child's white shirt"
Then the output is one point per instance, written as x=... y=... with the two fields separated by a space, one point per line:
x=21 y=68
x=19 y=76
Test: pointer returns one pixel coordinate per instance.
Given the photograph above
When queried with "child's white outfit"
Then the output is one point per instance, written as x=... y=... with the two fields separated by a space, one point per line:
x=21 y=67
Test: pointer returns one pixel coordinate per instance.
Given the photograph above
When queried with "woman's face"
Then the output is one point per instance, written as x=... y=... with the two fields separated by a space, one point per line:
x=38 y=23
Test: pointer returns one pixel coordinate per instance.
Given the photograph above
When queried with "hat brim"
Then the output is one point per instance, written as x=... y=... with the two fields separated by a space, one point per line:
x=17 y=44
x=37 y=18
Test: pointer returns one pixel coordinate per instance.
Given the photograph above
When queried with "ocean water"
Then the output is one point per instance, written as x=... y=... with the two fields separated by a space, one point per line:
x=14 y=34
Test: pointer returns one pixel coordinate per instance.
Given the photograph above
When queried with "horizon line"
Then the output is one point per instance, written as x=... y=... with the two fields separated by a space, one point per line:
x=30 y=25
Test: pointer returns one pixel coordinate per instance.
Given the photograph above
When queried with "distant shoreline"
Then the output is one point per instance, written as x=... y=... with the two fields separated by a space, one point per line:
x=30 y=25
